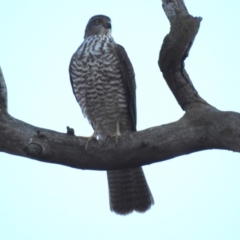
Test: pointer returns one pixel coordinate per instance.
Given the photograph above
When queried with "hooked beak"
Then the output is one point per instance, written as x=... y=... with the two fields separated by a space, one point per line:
x=108 y=25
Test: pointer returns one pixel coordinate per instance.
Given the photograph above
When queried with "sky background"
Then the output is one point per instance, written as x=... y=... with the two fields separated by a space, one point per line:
x=197 y=196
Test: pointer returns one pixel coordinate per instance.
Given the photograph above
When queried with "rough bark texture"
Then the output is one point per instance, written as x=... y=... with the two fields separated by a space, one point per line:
x=202 y=126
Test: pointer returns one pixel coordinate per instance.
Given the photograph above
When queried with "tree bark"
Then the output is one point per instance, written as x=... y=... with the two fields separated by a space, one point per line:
x=201 y=127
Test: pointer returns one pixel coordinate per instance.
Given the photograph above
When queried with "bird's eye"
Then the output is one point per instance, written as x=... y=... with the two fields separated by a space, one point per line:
x=98 y=21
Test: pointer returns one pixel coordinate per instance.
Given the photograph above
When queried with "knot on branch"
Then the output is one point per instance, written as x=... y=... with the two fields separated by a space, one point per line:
x=70 y=131
x=38 y=145
x=33 y=150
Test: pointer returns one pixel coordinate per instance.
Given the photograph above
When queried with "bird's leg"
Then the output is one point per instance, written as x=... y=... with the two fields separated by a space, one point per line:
x=117 y=134
x=94 y=135
x=90 y=138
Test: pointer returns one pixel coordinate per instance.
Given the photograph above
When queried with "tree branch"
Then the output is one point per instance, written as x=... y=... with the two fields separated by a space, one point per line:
x=198 y=129
x=202 y=126
x=3 y=93
x=175 y=49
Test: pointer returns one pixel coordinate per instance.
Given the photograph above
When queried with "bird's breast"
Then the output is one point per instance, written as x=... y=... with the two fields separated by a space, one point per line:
x=98 y=84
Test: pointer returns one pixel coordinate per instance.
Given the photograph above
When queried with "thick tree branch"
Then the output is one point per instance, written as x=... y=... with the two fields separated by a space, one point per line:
x=175 y=49
x=199 y=129
x=202 y=127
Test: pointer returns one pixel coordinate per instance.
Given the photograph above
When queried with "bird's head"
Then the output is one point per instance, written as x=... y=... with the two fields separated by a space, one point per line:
x=98 y=25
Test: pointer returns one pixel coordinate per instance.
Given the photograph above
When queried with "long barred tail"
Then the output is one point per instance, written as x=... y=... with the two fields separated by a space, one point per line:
x=129 y=191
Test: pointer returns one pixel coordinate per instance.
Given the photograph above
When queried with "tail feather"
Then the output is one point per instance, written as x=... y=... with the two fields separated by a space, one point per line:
x=129 y=191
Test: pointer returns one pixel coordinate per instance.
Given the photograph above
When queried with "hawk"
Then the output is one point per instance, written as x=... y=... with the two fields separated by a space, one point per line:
x=103 y=82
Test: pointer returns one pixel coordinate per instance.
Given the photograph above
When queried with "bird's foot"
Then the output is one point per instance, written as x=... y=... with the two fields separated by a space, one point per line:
x=94 y=135
x=117 y=133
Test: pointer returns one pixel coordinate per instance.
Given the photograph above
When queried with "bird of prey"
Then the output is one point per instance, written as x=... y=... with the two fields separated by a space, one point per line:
x=103 y=82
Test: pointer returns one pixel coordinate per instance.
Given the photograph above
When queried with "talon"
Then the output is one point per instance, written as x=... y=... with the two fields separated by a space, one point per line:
x=117 y=134
x=89 y=139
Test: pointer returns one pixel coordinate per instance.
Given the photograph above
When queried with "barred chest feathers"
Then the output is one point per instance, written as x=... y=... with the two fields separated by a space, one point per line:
x=98 y=85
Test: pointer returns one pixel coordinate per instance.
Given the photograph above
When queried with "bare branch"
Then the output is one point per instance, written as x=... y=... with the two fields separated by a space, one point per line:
x=199 y=129
x=175 y=49
x=3 y=92
x=174 y=9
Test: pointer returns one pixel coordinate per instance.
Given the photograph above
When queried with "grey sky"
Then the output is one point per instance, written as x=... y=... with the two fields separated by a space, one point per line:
x=196 y=196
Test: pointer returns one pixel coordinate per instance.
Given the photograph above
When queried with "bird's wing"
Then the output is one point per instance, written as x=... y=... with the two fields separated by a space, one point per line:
x=71 y=71
x=129 y=82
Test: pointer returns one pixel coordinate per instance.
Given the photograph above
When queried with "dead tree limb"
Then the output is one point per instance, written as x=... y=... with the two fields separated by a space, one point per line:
x=202 y=126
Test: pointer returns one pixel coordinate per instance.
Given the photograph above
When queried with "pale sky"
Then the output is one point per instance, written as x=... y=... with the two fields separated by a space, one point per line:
x=197 y=196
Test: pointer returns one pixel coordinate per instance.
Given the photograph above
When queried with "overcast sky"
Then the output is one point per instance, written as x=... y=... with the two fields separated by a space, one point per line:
x=197 y=196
